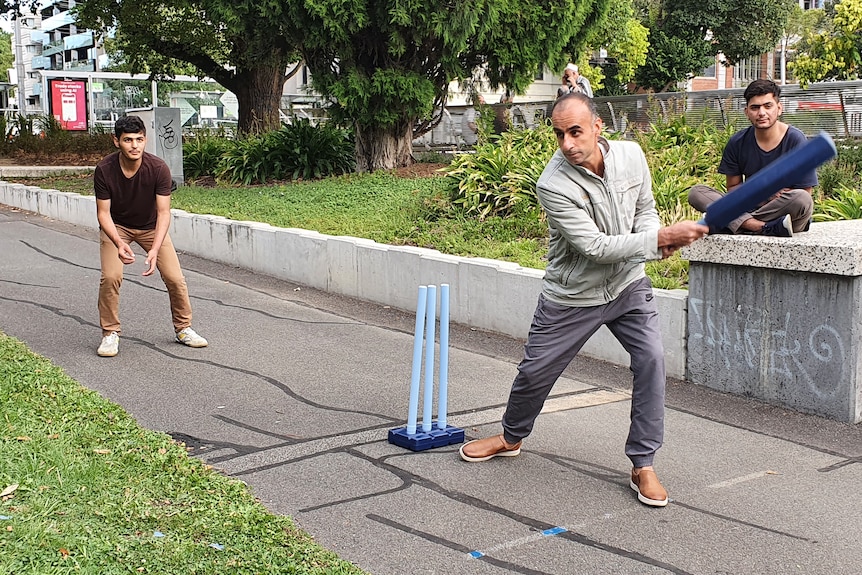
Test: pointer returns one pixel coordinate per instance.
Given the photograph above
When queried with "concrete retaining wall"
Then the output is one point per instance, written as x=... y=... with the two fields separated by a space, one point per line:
x=779 y=319
x=486 y=294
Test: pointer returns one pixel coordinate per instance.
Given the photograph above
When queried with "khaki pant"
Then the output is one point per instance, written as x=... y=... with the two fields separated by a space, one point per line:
x=168 y=265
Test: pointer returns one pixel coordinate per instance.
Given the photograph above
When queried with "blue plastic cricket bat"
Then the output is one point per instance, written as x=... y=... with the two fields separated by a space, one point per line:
x=781 y=173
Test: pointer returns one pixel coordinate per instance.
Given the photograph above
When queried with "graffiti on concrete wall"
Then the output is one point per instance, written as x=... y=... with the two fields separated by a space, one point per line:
x=740 y=343
x=168 y=135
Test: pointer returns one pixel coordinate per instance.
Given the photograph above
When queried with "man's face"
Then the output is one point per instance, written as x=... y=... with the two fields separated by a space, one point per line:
x=131 y=145
x=570 y=76
x=763 y=111
x=577 y=132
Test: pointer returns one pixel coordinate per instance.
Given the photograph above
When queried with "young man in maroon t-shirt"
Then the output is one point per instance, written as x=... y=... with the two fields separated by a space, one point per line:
x=133 y=204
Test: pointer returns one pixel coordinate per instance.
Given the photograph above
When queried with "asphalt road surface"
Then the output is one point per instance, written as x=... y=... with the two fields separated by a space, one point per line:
x=298 y=388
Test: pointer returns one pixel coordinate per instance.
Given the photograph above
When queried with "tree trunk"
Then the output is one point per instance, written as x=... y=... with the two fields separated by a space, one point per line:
x=384 y=148
x=258 y=93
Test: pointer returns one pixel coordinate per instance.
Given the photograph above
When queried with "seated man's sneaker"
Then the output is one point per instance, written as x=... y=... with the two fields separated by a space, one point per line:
x=649 y=489
x=484 y=449
x=780 y=228
x=110 y=345
x=188 y=337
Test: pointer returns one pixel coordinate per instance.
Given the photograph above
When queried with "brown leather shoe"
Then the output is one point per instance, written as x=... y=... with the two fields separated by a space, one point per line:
x=649 y=489
x=484 y=449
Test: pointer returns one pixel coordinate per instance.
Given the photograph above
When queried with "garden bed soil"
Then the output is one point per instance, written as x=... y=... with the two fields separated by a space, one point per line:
x=58 y=159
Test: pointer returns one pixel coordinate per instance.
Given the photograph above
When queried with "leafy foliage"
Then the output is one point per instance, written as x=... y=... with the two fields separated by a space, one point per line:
x=396 y=58
x=235 y=42
x=502 y=174
x=626 y=41
x=42 y=135
x=685 y=35
x=801 y=26
x=202 y=154
x=7 y=59
x=299 y=150
x=671 y=59
x=844 y=204
x=385 y=65
x=838 y=196
x=681 y=152
x=836 y=53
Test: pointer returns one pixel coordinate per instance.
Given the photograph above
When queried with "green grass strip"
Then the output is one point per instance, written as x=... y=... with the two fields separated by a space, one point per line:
x=98 y=494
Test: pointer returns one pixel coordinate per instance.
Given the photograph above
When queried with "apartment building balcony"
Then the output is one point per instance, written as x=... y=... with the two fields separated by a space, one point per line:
x=78 y=41
x=81 y=65
x=41 y=63
x=53 y=48
x=38 y=37
x=58 y=21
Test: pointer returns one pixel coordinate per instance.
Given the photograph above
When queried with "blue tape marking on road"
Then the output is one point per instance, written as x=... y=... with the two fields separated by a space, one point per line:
x=554 y=531
x=476 y=554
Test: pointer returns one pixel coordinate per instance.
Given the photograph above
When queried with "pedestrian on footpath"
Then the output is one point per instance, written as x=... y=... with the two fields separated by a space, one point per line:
x=133 y=204
x=597 y=195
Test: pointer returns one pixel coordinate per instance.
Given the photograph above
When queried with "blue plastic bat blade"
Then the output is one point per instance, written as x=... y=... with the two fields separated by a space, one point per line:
x=780 y=174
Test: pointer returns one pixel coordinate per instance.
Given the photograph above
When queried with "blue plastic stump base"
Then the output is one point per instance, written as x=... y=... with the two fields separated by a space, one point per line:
x=422 y=440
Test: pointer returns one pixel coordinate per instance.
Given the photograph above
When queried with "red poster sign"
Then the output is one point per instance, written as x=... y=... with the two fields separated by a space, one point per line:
x=69 y=103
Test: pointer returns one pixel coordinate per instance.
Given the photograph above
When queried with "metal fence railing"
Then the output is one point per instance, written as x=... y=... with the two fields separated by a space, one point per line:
x=833 y=107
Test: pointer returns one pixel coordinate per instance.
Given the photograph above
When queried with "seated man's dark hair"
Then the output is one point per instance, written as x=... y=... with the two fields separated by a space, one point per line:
x=129 y=125
x=761 y=88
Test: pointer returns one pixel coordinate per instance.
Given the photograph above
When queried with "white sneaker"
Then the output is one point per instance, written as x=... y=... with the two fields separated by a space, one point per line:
x=110 y=345
x=188 y=337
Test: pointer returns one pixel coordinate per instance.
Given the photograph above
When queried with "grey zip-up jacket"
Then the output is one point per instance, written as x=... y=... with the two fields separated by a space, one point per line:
x=602 y=230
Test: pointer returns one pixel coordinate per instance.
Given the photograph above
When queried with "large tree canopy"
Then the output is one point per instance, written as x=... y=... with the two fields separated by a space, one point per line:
x=685 y=35
x=234 y=42
x=7 y=59
x=625 y=40
x=834 y=54
x=387 y=64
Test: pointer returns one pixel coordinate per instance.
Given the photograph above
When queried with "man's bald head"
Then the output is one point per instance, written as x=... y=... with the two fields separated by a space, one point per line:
x=577 y=128
x=566 y=101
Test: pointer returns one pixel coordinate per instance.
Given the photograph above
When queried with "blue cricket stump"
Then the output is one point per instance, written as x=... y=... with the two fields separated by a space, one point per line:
x=430 y=435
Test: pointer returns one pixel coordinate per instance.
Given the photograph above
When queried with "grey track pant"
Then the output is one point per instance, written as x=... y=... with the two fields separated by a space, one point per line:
x=798 y=203
x=556 y=336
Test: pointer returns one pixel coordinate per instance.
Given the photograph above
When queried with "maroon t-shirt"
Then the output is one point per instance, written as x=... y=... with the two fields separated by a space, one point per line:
x=133 y=200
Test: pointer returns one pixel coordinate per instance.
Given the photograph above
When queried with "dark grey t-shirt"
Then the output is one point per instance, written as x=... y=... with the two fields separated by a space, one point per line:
x=743 y=157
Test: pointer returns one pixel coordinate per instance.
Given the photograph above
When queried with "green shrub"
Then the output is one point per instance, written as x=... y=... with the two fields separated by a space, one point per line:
x=502 y=173
x=843 y=204
x=296 y=151
x=202 y=154
x=843 y=172
x=432 y=158
x=302 y=150
x=37 y=135
x=245 y=161
x=679 y=156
